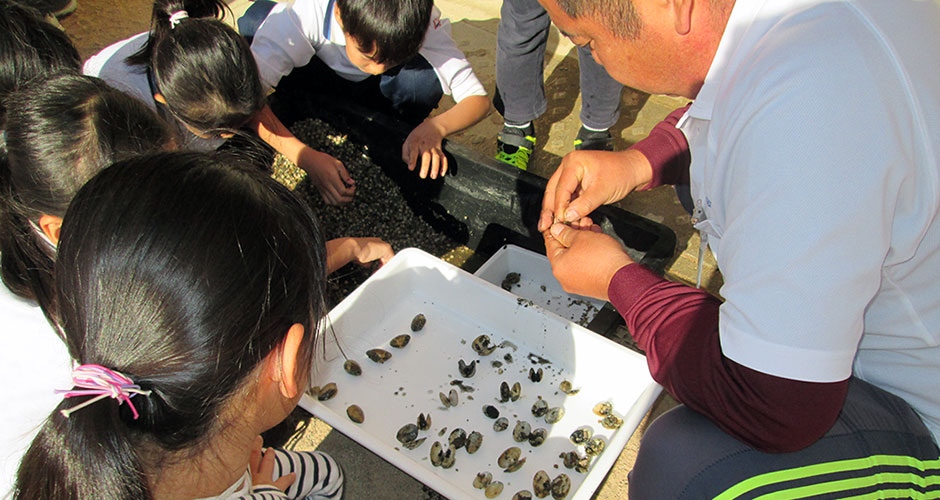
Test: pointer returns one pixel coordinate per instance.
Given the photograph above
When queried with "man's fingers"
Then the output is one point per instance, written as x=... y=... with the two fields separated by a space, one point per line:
x=546 y=218
x=564 y=234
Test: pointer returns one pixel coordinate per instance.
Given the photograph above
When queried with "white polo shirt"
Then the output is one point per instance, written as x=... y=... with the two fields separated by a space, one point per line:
x=291 y=34
x=815 y=146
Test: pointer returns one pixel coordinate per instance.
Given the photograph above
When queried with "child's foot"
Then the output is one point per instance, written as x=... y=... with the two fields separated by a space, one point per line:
x=515 y=145
x=594 y=140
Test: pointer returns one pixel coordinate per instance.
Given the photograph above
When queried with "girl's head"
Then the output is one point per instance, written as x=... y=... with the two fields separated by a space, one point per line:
x=60 y=131
x=192 y=274
x=203 y=71
x=30 y=47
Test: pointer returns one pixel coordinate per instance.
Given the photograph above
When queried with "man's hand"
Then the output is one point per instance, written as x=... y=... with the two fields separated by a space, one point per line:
x=584 y=260
x=424 y=144
x=586 y=180
x=328 y=174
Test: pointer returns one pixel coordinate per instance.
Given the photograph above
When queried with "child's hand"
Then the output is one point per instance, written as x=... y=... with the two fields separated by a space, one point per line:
x=261 y=465
x=372 y=249
x=424 y=142
x=329 y=176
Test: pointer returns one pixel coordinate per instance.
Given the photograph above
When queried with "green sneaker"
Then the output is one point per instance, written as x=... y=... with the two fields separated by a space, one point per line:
x=515 y=145
x=594 y=140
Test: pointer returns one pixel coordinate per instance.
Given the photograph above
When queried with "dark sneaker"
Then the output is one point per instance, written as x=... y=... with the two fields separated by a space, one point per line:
x=57 y=8
x=593 y=140
x=515 y=145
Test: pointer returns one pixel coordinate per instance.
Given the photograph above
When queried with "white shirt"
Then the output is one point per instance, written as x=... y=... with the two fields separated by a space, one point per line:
x=294 y=33
x=110 y=66
x=815 y=145
x=34 y=362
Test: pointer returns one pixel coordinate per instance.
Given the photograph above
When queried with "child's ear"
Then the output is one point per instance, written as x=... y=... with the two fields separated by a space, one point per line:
x=159 y=98
x=51 y=225
x=288 y=362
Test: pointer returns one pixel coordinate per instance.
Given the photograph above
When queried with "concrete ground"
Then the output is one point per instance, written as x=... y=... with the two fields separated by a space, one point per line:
x=98 y=23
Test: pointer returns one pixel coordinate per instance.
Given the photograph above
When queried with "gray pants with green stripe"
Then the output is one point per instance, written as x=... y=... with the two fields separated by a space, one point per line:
x=878 y=448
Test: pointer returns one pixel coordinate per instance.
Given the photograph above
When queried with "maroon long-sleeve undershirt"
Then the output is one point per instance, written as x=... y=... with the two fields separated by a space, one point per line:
x=677 y=326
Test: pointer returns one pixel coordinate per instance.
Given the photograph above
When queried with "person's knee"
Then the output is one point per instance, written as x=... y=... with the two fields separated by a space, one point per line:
x=413 y=89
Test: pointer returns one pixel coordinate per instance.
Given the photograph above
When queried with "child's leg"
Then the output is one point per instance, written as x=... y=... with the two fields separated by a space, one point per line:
x=412 y=89
x=318 y=475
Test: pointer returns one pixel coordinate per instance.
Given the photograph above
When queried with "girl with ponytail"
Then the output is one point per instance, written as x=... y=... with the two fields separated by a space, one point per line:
x=200 y=73
x=191 y=288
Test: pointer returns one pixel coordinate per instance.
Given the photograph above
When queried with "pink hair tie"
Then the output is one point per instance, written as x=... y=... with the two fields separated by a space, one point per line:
x=98 y=381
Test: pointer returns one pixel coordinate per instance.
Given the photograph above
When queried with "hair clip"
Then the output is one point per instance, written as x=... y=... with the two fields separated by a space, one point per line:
x=176 y=17
x=98 y=381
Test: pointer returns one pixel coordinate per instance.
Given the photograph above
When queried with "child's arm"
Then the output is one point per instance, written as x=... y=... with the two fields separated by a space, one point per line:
x=327 y=173
x=424 y=142
x=341 y=251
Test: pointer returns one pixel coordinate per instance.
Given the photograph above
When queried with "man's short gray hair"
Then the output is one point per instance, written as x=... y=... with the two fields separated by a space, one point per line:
x=619 y=16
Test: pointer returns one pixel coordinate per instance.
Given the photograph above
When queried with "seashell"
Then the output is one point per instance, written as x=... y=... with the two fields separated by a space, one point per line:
x=510 y=280
x=437 y=454
x=513 y=467
x=458 y=438
x=378 y=355
x=467 y=370
x=504 y=392
x=400 y=341
x=418 y=322
x=521 y=431
x=482 y=480
x=537 y=437
x=451 y=399
x=482 y=345
x=611 y=421
x=554 y=415
x=355 y=414
x=594 y=447
x=493 y=489
x=327 y=392
x=448 y=457
x=501 y=424
x=424 y=422
x=516 y=392
x=603 y=409
x=541 y=484
x=474 y=441
x=583 y=464
x=414 y=444
x=567 y=388
x=352 y=367
x=569 y=459
x=509 y=456
x=523 y=495
x=560 y=486
x=535 y=375
x=407 y=434
x=539 y=407
x=491 y=411
x=581 y=435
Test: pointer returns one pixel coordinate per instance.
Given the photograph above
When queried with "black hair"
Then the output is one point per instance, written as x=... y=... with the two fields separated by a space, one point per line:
x=395 y=29
x=202 y=67
x=619 y=16
x=182 y=271
x=30 y=47
x=61 y=130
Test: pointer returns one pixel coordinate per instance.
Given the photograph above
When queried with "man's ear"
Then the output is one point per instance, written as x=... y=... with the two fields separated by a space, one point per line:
x=51 y=225
x=289 y=353
x=159 y=98
x=682 y=15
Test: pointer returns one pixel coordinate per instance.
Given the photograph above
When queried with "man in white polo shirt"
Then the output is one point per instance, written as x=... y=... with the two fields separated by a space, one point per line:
x=813 y=149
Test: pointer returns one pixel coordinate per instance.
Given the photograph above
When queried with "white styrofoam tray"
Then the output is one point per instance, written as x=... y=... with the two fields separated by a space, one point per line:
x=537 y=283
x=459 y=307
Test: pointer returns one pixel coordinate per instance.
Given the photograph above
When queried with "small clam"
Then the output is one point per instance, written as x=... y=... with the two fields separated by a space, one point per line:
x=521 y=431
x=482 y=479
x=400 y=341
x=408 y=433
x=474 y=440
x=569 y=459
x=541 y=484
x=537 y=436
x=436 y=454
x=424 y=422
x=560 y=486
x=581 y=435
x=583 y=464
x=327 y=392
x=482 y=345
x=535 y=375
x=504 y=392
x=458 y=438
x=594 y=447
x=352 y=368
x=611 y=421
x=448 y=457
x=501 y=424
x=467 y=370
x=355 y=414
x=418 y=322
x=450 y=399
x=567 y=388
x=523 y=495
x=510 y=460
x=491 y=411
x=540 y=407
x=378 y=355
x=603 y=408
x=414 y=444
x=554 y=415
x=493 y=489
x=510 y=280
x=516 y=392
